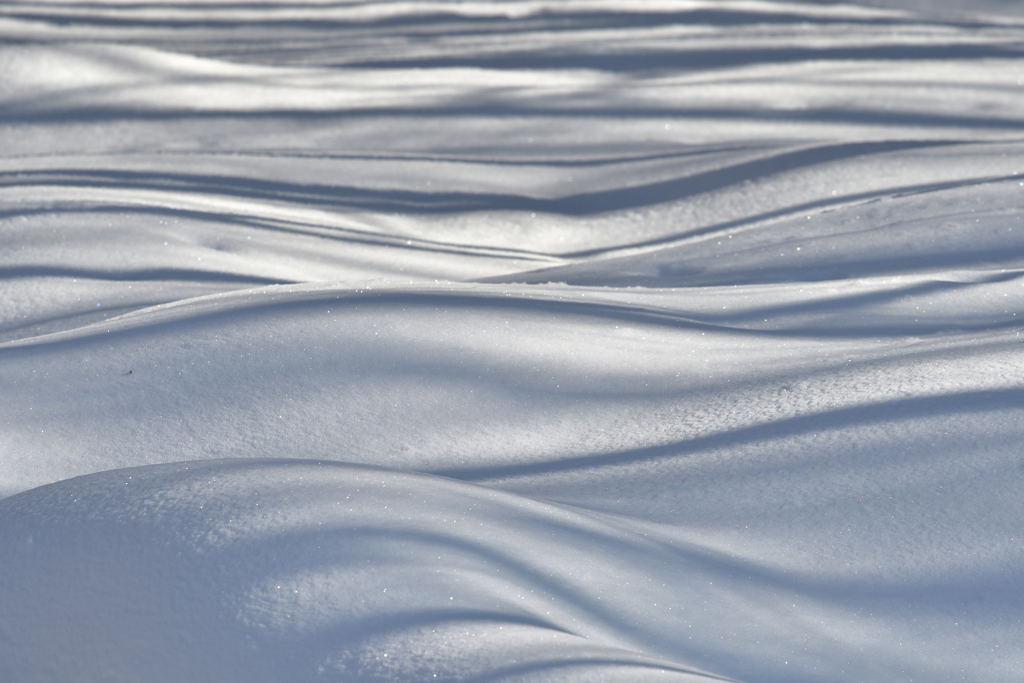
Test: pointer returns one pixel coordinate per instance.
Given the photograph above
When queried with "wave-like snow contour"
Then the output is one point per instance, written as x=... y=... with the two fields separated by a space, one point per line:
x=511 y=340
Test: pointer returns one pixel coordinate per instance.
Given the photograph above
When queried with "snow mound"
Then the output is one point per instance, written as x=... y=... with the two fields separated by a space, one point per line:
x=300 y=571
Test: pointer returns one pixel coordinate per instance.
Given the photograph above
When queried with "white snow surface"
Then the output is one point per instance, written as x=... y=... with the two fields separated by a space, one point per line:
x=536 y=340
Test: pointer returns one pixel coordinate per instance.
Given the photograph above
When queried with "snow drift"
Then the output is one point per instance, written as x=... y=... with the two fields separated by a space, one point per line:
x=510 y=341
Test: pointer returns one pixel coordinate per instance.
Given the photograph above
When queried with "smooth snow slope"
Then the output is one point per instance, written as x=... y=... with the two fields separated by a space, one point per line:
x=511 y=340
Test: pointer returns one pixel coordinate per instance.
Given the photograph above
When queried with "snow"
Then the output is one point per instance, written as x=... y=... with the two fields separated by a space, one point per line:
x=525 y=340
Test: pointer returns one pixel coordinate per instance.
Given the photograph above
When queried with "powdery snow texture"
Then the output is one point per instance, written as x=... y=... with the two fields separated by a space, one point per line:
x=511 y=341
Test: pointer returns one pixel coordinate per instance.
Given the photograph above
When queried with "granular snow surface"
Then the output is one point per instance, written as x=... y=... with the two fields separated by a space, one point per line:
x=511 y=340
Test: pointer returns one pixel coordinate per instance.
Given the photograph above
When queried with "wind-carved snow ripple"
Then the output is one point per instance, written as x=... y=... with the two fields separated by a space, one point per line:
x=790 y=455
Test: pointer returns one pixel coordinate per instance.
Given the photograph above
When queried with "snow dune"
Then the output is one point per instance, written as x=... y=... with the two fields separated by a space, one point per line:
x=388 y=341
